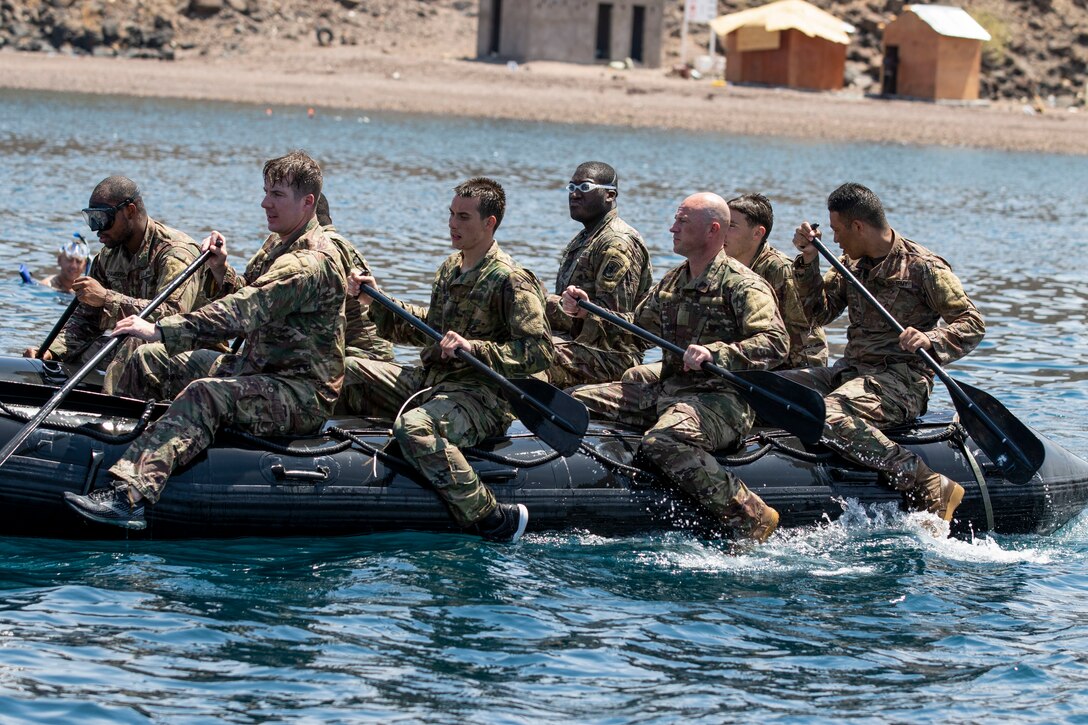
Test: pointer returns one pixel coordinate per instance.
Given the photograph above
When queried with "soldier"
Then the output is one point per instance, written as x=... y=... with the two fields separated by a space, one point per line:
x=607 y=259
x=720 y=312
x=140 y=258
x=290 y=306
x=750 y=220
x=492 y=308
x=361 y=339
x=880 y=381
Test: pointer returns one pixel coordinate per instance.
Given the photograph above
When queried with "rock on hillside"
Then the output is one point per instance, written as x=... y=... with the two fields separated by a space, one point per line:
x=1040 y=47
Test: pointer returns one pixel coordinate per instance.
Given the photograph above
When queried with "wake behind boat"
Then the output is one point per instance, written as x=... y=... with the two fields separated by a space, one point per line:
x=350 y=481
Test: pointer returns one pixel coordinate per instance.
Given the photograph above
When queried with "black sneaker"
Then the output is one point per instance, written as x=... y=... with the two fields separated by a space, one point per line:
x=108 y=506
x=505 y=524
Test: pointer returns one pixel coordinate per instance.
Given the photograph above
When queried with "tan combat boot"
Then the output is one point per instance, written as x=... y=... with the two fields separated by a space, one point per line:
x=750 y=517
x=939 y=494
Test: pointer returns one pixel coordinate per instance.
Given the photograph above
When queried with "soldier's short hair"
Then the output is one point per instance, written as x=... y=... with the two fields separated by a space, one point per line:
x=856 y=202
x=600 y=172
x=113 y=190
x=489 y=192
x=298 y=170
x=324 y=218
x=756 y=208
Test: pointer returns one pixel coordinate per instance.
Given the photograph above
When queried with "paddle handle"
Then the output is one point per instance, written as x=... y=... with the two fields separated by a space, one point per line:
x=58 y=397
x=465 y=356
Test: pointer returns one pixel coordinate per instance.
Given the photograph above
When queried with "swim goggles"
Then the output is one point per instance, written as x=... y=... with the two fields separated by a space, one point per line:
x=101 y=217
x=587 y=186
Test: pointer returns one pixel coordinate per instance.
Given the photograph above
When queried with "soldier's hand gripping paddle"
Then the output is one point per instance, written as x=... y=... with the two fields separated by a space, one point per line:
x=1009 y=443
x=19 y=438
x=556 y=418
x=777 y=401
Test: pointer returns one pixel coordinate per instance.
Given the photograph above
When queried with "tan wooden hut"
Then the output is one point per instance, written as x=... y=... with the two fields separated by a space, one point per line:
x=933 y=52
x=786 y=43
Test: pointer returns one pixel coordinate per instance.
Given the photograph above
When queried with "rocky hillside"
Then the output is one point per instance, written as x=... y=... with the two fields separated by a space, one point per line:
x=1040 y=47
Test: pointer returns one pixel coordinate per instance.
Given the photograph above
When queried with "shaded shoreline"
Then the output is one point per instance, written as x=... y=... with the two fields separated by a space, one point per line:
x=348 y=78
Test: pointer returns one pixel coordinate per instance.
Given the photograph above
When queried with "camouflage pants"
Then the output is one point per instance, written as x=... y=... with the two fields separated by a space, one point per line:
x=647 y=373
x=860 y=403
x=576 y=364
x=681 y=436
x=437 y=423
x=260 y=404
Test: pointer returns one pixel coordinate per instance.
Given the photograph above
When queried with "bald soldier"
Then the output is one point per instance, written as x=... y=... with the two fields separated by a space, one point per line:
x=880 y=382
x=720 y=312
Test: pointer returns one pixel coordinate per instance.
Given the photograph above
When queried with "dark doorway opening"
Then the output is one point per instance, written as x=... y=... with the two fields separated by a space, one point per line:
x=604 y=32
x=890 y=81
x=638 y=31
x=496 y=27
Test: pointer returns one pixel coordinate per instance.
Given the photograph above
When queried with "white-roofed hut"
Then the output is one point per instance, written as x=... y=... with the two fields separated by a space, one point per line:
x=788 y=43
x=933 y=52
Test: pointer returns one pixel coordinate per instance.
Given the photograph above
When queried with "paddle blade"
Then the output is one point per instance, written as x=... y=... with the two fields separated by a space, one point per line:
x=1010 y=444
x=563 y=420
x=784 y=404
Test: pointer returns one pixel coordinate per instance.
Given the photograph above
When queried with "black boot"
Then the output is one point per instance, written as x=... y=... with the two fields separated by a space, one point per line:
x=505 y=524
x=108 y=506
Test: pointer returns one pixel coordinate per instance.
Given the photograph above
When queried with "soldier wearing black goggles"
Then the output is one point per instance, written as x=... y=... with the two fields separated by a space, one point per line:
x=99 y=218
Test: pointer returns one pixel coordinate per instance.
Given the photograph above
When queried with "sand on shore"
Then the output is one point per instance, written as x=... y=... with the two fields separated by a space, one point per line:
x=351 y=77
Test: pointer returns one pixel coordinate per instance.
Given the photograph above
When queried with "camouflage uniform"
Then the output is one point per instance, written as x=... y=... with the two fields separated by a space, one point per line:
x=808 y=344
x=361 y=339
x=499 y=308
x=877 y=384
x=131 y=281
x=611 y=264
x=689 y=415
x=290 y=306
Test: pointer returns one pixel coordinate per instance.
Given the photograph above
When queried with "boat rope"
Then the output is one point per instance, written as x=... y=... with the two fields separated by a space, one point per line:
x=89 y=430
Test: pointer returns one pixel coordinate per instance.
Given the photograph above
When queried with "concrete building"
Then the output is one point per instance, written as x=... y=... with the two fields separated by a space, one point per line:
x=574 y=31
x=933 y=52
x=787 y=43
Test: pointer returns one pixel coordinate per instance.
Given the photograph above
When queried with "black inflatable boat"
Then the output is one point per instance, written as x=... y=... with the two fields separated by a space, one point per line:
x=350 y=481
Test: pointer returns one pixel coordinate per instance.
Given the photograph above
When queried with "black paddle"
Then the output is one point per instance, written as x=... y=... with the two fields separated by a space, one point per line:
x=65 y=316
x=558 y=419
x=777 y=401
x=58 y=397
x=1009 y=443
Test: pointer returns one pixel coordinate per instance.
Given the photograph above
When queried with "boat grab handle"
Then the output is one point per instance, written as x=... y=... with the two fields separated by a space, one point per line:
x=284 y=474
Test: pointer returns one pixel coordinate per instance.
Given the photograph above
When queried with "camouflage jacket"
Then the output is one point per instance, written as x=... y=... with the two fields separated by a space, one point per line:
x=496 y=305
x=728 y=309
x=611 y=264
x=290 y=306
x=915 y=285
x=808 y=344
x=360 y=333
x=132 y=281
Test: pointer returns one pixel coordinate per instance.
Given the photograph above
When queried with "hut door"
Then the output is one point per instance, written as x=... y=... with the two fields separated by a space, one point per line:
x=638 y=30
x=496 y=26
x=604 y=32
x=891 y=71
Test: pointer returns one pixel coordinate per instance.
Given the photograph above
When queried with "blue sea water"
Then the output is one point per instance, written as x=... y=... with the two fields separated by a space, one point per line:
x=868 y=618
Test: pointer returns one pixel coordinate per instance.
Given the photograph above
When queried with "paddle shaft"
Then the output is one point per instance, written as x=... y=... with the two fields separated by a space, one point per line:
x=954 y=388
x=467 y=357
x=58 y=397
x=787 y=406
x=65 y=316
